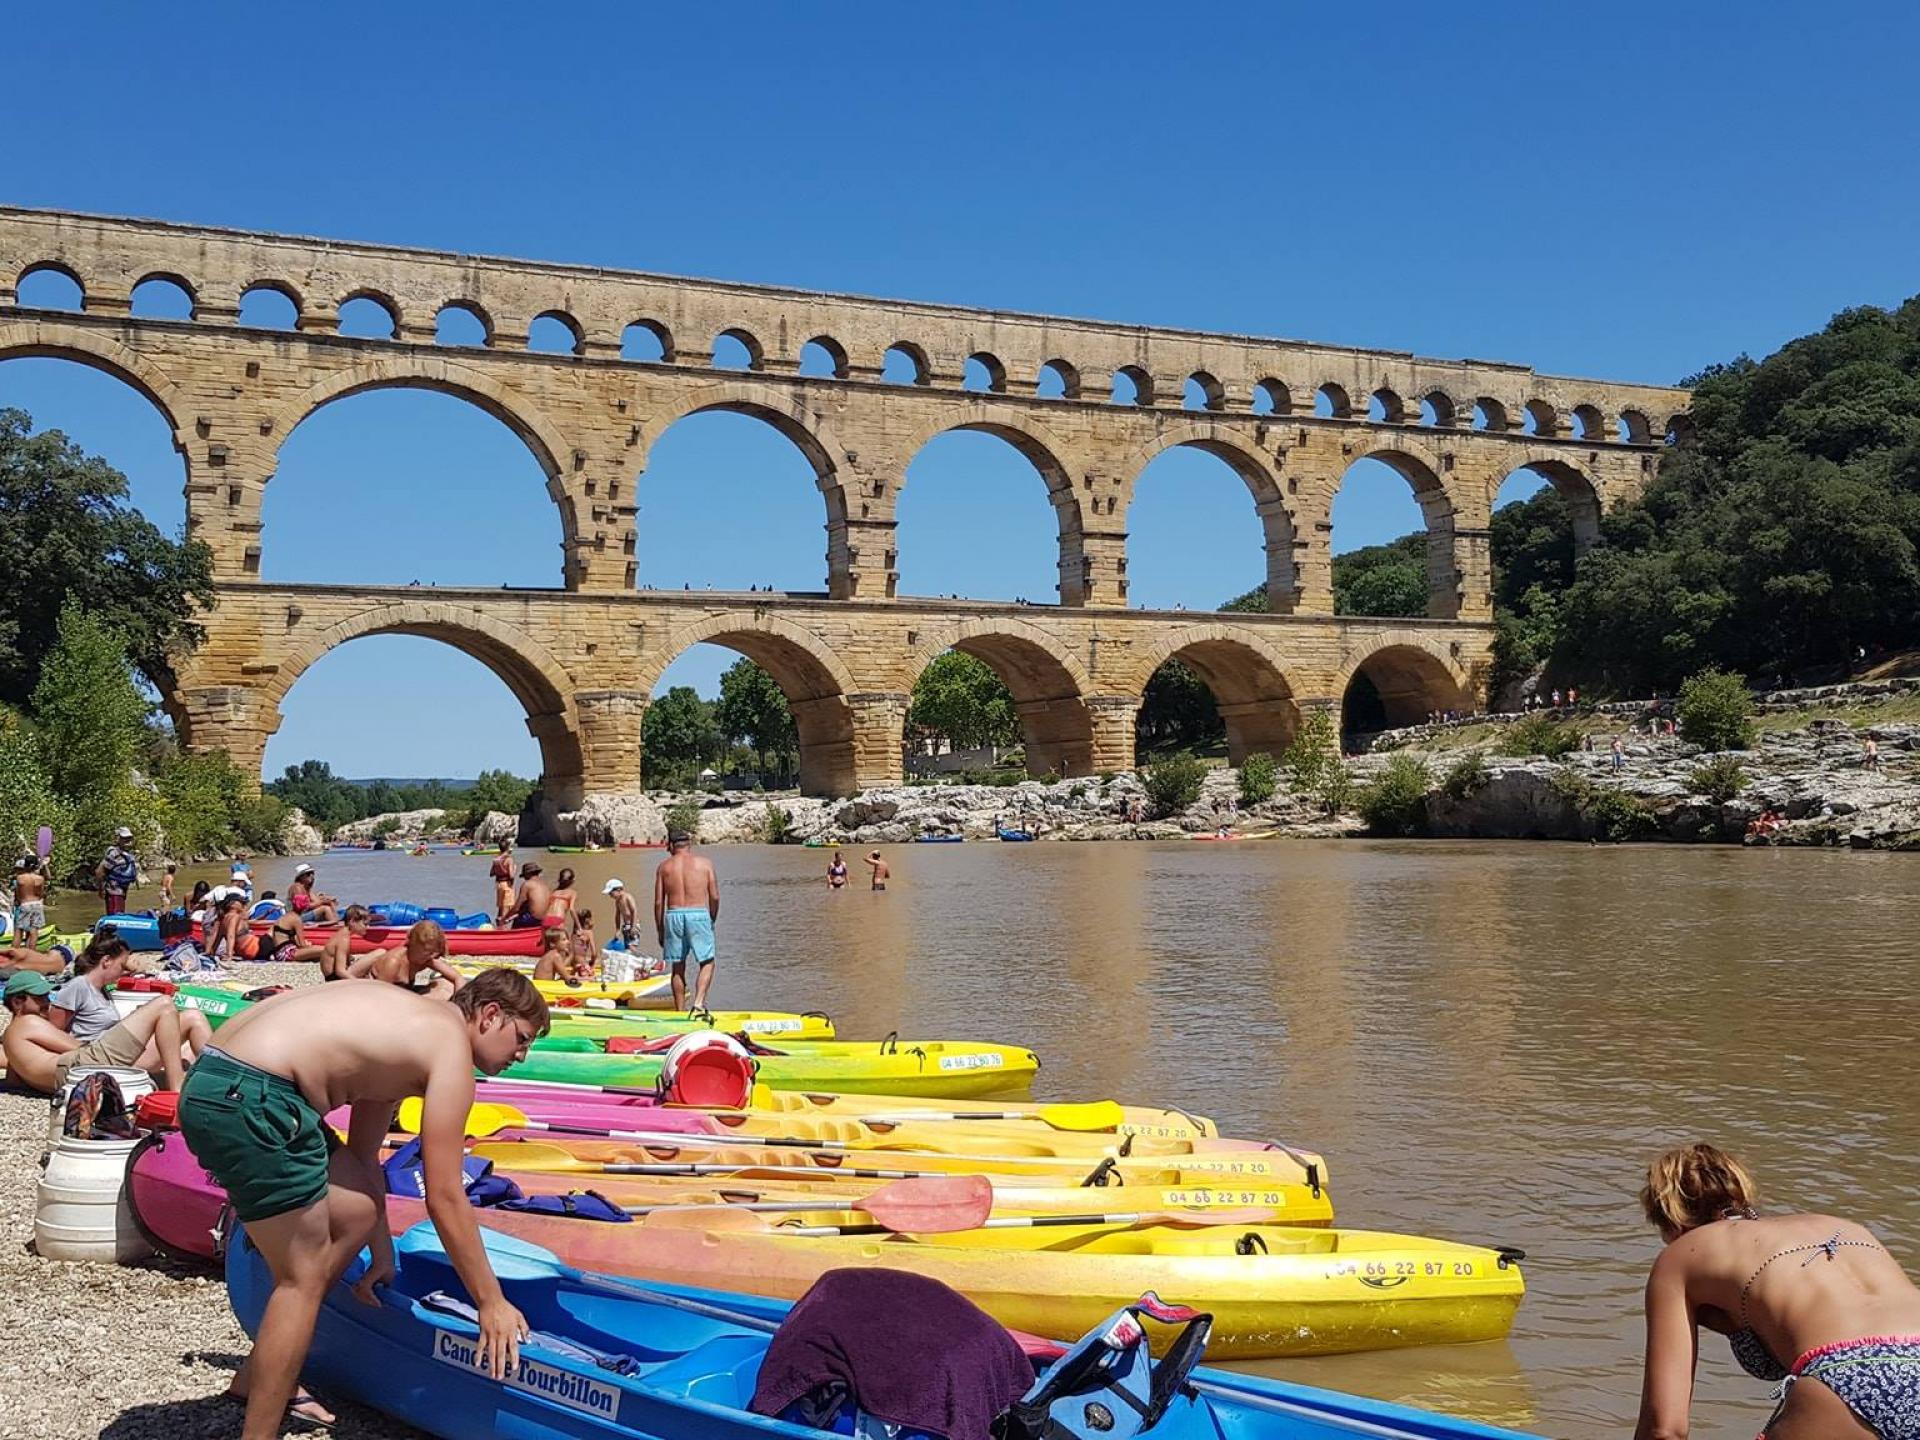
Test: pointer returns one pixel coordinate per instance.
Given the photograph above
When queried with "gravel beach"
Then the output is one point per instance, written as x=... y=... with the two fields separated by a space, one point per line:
x=130 y=1352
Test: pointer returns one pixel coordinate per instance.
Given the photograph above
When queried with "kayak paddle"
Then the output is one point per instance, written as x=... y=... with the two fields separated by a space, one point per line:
x=933 y=1206
x=1093 y=1115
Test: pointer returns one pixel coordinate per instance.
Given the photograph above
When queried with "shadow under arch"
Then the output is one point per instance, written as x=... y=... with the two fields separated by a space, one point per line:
x=1050 y=687
x=538 y=680
x=1277 y=524
x=809 y=433
x=1249 y=685
x=817 y=685
x=446 y=376
x=1444 y=581
x=1400 y=682
x=1041 y=449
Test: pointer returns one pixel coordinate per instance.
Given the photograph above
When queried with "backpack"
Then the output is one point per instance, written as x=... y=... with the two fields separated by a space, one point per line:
x=123 y=873
x=1108 y=1387
x=96 y=1110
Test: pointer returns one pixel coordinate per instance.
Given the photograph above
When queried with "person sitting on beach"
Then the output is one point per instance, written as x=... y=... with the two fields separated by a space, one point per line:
x=626 y=915
x=309 y=1203
x=29 y=902
x=425 y=952
x=336 y=956
x=556 y=961
x=313 y=908
x=286 y=942
x=228 y=935
x=80 y=1026
x=534 y=900
x=1814 y=1301
x=501 y=873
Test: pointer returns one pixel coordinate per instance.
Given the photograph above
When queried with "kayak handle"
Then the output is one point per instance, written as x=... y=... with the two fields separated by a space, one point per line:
x=1509 y=1255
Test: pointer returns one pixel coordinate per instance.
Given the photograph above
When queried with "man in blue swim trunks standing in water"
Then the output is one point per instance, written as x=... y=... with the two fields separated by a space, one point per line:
x=686 y=902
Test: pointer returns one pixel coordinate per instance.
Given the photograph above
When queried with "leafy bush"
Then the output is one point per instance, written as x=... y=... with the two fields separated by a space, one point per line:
x=684 y=816
x=1615 y=814
x=777 y=826
x=1539 y=735
x=1259 y=777
x=1396 y=802
x=1719 y=778
x=1315 y=766
x=208 y=807
x=1174 y=783
x=1466 y=775
x=1716 y=711
x=28 y=799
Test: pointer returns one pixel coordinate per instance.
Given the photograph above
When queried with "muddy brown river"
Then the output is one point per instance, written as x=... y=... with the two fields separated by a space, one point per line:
x=1487 y=1041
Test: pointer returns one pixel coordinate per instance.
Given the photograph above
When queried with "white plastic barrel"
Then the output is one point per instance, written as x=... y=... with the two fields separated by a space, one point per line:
x=133 y=1084
x=81 y=1211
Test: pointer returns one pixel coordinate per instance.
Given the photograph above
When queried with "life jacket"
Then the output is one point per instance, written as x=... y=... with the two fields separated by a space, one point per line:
x=707 y=1067
x=1108 y=1386
x=405 y=1176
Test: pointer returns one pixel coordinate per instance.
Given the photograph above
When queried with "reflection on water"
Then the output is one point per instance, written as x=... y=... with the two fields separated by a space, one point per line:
x=1488 y=1041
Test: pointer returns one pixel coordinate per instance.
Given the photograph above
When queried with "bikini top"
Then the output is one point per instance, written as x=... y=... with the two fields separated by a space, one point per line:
x=1750 y=1352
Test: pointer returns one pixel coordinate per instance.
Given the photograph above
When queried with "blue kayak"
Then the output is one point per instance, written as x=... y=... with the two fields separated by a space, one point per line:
x=1016 y=835
x=938 y=839
x=610 y=1358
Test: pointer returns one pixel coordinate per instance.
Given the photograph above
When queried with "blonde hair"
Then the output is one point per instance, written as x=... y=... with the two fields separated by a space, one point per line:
x=1692 y=1185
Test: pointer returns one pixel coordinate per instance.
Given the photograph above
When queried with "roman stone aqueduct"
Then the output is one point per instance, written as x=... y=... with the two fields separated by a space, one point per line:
x=1289 y=418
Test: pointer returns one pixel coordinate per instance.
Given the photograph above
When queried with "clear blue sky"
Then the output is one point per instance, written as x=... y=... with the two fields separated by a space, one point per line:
x=1627 y=193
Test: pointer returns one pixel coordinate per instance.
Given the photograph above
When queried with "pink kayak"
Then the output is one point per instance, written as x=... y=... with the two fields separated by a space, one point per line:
x=524 y=941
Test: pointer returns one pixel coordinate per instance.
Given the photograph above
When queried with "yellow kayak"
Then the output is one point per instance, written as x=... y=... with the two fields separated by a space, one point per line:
x=778 y=1027
x=1273 y=1290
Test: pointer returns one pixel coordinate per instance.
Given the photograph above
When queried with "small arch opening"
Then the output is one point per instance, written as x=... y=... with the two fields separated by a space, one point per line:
x=1679 y=430
x=1057 y=380
x=1203 y=392
x=735 y=349
x=1588 y=423
x=824 y=358
x=364 y=317
x=268 y=307
x=1132 y=386
x=553 y=333
x=646 y=342
x=1271 y=397
x=904 y=364
x=1437 y=408
x=1489 y=414
x=1634 y=428
x=50 y=287
x=1384 y=407
x=984 y=374
x=461 y=324
x=1540 y=419
x=162 y=297
x=1330 y=402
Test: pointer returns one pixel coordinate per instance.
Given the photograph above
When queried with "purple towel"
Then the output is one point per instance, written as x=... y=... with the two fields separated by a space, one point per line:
x=907 y=1349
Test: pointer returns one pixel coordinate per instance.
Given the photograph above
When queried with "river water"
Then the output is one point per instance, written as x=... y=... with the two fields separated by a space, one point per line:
x=1487 y=1040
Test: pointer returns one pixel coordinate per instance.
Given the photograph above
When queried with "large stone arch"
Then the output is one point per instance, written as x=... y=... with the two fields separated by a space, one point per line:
x=1050 y=687
x=1574 y=484
x=447 y=376
x=1247 y=677
x=52 y=340
x=1279 y=525
x=785 y=409
x=1457 y=577
x=1411 y=674
x=539 y=681
x=818 y=686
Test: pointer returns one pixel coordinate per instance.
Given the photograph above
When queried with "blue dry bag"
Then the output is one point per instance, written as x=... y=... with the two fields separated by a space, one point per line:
x=1108 y=1386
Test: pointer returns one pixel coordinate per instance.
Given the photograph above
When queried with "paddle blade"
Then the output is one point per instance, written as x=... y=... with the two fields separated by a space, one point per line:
x=531 y=1155
x=932 y=1206
x=482 y=1119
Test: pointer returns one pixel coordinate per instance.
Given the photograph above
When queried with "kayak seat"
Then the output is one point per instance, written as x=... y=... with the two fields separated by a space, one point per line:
x=720 y=1371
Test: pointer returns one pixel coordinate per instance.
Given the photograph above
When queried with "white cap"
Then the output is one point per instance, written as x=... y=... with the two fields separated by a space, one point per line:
x=123 y=833
x=302 y=869
x=611 y=886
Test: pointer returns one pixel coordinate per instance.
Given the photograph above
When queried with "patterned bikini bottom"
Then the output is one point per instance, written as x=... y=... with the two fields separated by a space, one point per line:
x=1878 y=1378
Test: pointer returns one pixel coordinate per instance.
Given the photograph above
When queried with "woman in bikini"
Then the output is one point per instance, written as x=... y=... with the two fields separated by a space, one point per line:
x=560 y=904
x=501 y=873
x=1812 y=1301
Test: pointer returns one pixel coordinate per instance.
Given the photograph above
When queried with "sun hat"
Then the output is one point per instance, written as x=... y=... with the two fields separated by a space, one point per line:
x=27 y=982
x=611 y=886
x=303 y=868
x=123 y=833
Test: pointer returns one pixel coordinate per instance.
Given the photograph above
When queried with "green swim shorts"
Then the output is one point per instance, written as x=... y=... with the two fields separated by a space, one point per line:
x=256 y=1134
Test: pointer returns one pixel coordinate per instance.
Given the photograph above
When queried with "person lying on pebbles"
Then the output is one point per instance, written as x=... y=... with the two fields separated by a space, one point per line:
x=156 y=1038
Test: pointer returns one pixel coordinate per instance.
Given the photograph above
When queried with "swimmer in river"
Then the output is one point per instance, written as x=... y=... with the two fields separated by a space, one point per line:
x=880 y=869
x=836 y=872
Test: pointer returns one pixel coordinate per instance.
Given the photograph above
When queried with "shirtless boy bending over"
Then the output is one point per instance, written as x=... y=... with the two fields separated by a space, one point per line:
x=310 y=1204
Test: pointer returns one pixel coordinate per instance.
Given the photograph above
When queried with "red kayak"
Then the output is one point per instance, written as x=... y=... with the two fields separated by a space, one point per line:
x=524 y=941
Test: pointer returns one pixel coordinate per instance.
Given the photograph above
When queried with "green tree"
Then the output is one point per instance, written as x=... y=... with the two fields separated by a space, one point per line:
x=1389 y=579
x=959 y=698
x=679 y=732
x=28 y=799
x=91 y=723
x=326 y=800
x=500 y=790
x=1315 y=766
x=753 y=709
x=1395 y=803
x=1173 y=784
x=1259 y=778
x=70 y=538
x=1715 y=711
x=208 y=807
x=1177 y=712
